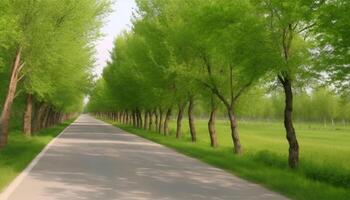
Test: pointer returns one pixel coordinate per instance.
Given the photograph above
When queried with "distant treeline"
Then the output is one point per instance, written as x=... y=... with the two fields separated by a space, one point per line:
x=319 y=105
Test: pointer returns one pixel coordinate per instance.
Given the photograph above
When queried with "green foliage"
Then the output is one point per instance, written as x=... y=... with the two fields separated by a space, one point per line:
x=332 y=33
x=101 y=99
x=57 y=71
x=167 y=56
x=8 y=29
x=57 y=38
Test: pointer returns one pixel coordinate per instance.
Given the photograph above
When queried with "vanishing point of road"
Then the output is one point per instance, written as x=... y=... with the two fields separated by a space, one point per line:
x=92 y=160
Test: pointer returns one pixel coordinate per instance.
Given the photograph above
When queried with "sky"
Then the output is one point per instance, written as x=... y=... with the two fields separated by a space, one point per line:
x=118 y=21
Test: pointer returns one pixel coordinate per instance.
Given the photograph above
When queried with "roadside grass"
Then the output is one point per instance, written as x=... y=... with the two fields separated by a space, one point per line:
x=21 y=150
x=324 y=171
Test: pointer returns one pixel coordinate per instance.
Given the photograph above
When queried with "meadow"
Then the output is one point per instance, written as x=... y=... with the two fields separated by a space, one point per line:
x=324 y=171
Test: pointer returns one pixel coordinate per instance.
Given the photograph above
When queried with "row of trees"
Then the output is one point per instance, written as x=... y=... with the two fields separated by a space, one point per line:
x=180 y=51
x=319 y=105
x=46 y=58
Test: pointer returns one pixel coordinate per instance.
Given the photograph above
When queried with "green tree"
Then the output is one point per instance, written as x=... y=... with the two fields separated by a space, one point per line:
x=47 y=65
x=332 y=34
x=288 y=23
x=235 y=52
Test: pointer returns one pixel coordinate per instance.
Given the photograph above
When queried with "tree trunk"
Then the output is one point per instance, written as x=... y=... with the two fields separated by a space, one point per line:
x=179 y=120
x=47 y=118
x=150 y=121
x=6 y=112
x=127 y=117
x=157 y=120
x=191 y=120
x=134 y=122
x=160 y=126
x=166 y=122
x=288 y=124
x=139 y=115
x=211 y=125
x=145 y=121
x=60 y=117
x=114 y=118
x=38 y=117
x=234 y=132
x=27 y=117
x=44 y=118
x=123 y=117
x=137 y=119
x=130 y=118
x=54 y=118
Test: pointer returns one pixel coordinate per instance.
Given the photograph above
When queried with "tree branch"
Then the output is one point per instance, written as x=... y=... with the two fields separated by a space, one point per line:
x=245 y=87
x=307 y=27
x=20 y=78
x=281 y=78
x=217 y=93
x=21 y=67
x=17 y=94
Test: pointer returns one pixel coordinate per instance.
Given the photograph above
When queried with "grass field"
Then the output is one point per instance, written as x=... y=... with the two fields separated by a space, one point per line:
x=324 y=171
x=22 y=150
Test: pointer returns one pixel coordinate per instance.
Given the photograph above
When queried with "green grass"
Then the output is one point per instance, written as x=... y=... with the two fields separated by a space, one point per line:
x=21 y=150
x=324 y=171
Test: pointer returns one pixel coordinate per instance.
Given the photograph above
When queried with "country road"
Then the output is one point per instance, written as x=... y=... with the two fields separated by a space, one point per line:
x=92 y=160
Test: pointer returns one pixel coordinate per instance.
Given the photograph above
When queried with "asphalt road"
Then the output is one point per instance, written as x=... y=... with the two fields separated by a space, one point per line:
x=93 y=160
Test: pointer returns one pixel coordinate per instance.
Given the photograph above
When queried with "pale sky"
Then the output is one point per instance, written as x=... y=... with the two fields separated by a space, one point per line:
x=118 y=21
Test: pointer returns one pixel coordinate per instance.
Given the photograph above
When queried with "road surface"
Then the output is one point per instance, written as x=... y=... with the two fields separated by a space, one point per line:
x=92 y=160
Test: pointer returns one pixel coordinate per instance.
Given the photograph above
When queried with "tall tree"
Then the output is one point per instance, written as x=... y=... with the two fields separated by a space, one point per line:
x=288 y=23
x=234 y=53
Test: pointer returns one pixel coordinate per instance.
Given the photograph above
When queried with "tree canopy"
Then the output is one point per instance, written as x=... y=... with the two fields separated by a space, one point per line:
x=47 y=55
